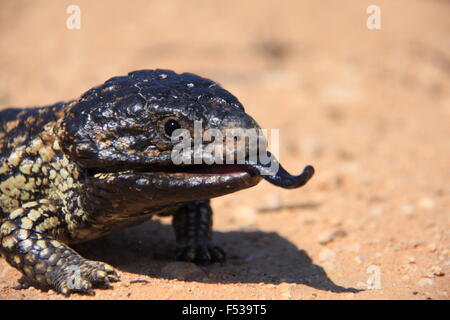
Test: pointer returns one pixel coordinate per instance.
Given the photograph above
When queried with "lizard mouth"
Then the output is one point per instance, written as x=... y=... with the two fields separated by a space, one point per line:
x=164 y=183
x=271 y=171
x=188 y=170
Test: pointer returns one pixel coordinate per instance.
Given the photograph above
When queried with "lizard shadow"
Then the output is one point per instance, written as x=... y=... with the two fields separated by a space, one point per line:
x=252 y=257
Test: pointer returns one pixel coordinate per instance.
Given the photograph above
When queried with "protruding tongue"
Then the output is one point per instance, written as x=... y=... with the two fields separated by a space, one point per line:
x=274 y=173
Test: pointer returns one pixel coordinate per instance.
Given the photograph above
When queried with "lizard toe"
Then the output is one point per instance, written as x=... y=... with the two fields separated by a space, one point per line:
x=82 y=278
x=203 y=254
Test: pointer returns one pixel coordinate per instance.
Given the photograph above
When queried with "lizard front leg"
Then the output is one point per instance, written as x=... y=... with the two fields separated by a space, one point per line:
x=192 y=224
x=28 y=242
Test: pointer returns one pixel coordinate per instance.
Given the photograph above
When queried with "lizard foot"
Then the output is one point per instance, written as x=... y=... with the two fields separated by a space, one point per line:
x=201 y=253
x=82 y=277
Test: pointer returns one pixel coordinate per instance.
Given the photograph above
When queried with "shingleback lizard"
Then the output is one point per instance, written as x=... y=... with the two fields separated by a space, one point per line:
x=78 y=170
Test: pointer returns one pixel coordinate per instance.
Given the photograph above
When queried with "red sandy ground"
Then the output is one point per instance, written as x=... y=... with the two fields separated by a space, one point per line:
x=369 y=109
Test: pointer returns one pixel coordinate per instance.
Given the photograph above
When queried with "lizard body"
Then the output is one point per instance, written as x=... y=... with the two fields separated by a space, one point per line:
x=75 y=171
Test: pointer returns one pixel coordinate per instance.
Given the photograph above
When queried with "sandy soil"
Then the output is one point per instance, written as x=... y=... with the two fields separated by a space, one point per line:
x=370 y=109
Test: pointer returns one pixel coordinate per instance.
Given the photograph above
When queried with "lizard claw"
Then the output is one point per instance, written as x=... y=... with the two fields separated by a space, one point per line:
x=201 y=254
x=82 y=278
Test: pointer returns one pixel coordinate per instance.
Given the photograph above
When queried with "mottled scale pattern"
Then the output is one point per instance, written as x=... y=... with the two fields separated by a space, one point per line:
x=28 y=244
x=38 y=199
x=32 y=165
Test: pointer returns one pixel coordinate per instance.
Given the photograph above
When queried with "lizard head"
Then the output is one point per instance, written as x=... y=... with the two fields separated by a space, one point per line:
x=121 y=135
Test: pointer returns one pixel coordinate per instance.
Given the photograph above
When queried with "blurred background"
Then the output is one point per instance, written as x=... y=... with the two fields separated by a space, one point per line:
x=370 y=109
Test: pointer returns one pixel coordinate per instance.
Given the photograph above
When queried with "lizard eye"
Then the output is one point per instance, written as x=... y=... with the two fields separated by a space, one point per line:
x=170 y=126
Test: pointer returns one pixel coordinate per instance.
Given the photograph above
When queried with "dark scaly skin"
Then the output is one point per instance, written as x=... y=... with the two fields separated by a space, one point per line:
x=192 y=224
x=75 y=171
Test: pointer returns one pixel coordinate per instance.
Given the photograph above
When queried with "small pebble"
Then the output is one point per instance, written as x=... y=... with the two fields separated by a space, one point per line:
x=183 y=271
x=411 y=260
x=408 y=209
x=427 y=203
x=273 y=201
x=356 y=247
x=406 y=277
x=432 y=247
x=286 y=291
x=329 y=265
x=328 y=236
x=425 y=282
x=325 y=237
x=376 y=211
x=336 y=222
x=444 y=255
x=326 y=254
x=361 y=285
x=359 y=260
x=311 y=146
x=307 y=221
x=436 y=271
x=417 y=243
